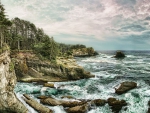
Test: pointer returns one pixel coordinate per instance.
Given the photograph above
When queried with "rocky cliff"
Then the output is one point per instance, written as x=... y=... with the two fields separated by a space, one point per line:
x=84 y=52
x=37 y=71
x=8 y=101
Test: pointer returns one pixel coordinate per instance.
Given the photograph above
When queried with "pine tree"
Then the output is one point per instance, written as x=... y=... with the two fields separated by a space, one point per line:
x=4 y=24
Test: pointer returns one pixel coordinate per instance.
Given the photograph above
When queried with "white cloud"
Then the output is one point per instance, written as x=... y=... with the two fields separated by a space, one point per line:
x=99 y=18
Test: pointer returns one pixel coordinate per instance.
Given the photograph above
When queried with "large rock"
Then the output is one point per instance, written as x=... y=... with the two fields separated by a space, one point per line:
x=51 y=85
x=8 y=101
x=54 y=102
x=98 y=102
x=119 y=54
x=116 y=105
x=78 y=109
x=149 y=110
x=149 y=107
x=37 y=106
x=125 y=86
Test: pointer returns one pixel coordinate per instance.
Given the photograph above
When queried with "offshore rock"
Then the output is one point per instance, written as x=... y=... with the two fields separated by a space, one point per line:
x=54 y=102
x=8 y=100
x=78 y=109
x=37 y=106
x=116 y=105
x=148 y=110
x=98 y=102
x=125 y=86
x=119 y=54
x=149 y=107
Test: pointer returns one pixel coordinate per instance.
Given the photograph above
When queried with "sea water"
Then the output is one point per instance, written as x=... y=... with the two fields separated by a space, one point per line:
x=109 y=73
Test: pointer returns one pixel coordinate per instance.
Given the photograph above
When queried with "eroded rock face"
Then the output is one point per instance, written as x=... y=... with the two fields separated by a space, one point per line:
x=125 y=86
x=8 y=101
x=43 y=72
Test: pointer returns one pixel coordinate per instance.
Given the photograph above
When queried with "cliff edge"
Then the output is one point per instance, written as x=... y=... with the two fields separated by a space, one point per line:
x=8 y=100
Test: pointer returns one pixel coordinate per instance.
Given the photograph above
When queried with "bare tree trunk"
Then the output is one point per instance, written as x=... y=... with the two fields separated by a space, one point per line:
x=1 y=39
x=18 y=45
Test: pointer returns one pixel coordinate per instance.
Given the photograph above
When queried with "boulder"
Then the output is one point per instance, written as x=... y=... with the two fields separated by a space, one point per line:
x=125 y=86
x=54 y=102
x=98 y=102
x=37 y=106
x=78 y=109
x=149 y=107
x=51 y=85
x=119 y=54
x=116 y=105
x=149 y=103
x=149 y=110
x=68 y=96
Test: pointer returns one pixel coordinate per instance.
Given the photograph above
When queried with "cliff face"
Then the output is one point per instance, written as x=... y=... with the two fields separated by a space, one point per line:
x=8 y=101
x=35 y=71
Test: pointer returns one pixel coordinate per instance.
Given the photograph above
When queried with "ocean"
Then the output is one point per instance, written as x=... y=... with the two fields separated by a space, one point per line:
x=109 y=73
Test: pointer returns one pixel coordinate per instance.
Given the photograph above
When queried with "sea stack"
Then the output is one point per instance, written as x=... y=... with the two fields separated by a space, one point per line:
x=119 y=54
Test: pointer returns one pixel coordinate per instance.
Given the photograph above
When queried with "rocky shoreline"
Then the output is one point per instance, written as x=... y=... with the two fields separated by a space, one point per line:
x=66 y=69
x=72 y=105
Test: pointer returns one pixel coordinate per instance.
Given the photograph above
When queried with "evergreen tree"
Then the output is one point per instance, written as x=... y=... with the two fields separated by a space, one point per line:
x=4 y=24
x=50 y=49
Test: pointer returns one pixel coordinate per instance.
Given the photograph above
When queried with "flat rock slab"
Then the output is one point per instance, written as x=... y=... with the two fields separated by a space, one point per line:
x=37 y=106
x=78 y=109
x=54 y=102
x=51 y=85
x=125 y=86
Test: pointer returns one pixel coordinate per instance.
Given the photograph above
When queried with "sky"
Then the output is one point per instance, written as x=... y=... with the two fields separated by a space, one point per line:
x=102 y=24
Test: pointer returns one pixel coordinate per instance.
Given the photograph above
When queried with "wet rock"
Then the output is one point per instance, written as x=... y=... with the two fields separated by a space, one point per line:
x=78 y=109
x=98 y=102
x=37 y=106
x=125 y=86
x=149 y=103
x=54 y=102
x=119 y=54
x=68 y=96
x=149 y=110
x=42 y=97
x=149 y=107
x=51 y=85
x=116 y=105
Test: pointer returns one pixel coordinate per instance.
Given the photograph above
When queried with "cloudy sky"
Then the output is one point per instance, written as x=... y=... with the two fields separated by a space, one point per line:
x=103 y=24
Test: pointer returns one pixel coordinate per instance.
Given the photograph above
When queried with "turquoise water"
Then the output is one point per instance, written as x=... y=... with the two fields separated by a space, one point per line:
x=109 y=73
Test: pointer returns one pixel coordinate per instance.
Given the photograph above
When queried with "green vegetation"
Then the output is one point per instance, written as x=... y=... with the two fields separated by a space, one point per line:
x=11 y=67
